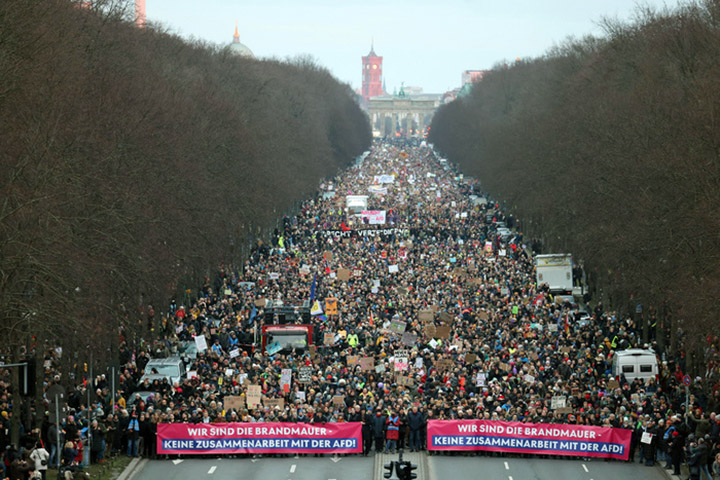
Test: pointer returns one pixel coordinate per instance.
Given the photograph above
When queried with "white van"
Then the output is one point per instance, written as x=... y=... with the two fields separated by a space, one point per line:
x=635 y=363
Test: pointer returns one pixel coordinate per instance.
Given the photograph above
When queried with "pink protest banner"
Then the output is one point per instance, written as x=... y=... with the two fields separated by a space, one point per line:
x=546 y=439
x=233 y=438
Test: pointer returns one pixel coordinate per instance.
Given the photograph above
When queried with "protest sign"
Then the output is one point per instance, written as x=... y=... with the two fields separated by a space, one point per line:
x=426 y=316
x=397 y=326
x=480 y=379
x=409 y=339
x=329 y=338
x=343 y=274
x=558 y=401
x=380 y=368
x=393 y=269
x=430 y=330
x=254 y=395
x=470 y=358
x=233 y=402
x=352 y=360
x=443 y=332
x=200 y=343
x=367 y=363
x=405 y=381
x=305 y=374
x=235 y=353
x=339 y=400
x=331 y=306
x=274 y=403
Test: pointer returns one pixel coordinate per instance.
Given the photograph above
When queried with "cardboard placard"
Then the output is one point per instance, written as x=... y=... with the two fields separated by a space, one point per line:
x=233 y=402
x=470 y=358
x=613 y=384
x=329 y=338
x=444 y=364
x=343 y=274
x=312 y=351
x=352 y=360
x=430 y=330
x=564 y=410
x=483 y=316
x=367 y=363
x=505 y=367
x=329 y=256
x=442 y=332
x=445 y=317
x=426 y=316
x=339 y=400
x=260 y=302
x=434 y=308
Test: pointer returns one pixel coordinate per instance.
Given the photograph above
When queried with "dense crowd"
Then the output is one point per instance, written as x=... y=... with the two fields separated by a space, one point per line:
x=508 y=348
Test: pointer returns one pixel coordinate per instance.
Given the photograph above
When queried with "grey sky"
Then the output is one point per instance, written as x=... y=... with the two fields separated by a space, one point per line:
x=426 y=43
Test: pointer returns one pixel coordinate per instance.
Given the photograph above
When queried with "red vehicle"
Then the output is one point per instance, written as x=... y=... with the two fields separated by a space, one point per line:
x=286 y=337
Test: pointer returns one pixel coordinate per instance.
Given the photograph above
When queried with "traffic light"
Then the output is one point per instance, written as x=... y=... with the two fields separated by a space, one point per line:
x=405 y=470
x=27 y=378
x=390 y=474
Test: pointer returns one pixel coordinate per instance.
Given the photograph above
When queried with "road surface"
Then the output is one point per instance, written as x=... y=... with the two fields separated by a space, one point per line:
x=511 y=468
x=303 y=468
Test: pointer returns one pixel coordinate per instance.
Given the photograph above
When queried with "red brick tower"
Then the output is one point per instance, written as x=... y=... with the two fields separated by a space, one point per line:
x=372 y=75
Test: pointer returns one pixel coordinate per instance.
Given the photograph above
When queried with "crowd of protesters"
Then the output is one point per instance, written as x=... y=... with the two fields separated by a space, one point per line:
x=439 y=250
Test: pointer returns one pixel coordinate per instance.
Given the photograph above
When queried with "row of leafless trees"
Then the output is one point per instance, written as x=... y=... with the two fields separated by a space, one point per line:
x=131 y=161
x=609 y=148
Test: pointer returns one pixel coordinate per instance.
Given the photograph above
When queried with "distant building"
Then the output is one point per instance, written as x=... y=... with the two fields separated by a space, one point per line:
x=472 y=76
x=372 y=85
x=238 y=48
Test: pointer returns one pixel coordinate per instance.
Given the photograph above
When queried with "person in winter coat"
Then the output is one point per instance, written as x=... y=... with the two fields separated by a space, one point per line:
x=378 y=428
x=41 y=458
x=393 y=432
x=415 y=423
x=367 y=434
x=20 y=467
x=676 y=450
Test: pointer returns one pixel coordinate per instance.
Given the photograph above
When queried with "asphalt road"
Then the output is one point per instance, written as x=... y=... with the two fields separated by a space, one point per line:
x=499 y=468
x=303 y=468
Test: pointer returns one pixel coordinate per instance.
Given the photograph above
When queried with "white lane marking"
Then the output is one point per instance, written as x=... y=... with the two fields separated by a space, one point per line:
x=212 y=470
x=585 y=468
x=292 y=469
x=507 y=467
x=509 y=478
x=177 y=461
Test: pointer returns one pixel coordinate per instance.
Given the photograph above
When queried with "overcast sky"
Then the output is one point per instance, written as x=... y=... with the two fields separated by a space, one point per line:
x=426 y=43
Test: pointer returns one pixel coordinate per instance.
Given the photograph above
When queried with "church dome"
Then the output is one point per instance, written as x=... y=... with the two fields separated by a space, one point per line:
x=238 y=48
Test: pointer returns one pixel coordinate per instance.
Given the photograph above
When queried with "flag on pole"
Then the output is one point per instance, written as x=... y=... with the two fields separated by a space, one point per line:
x=312 y=288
